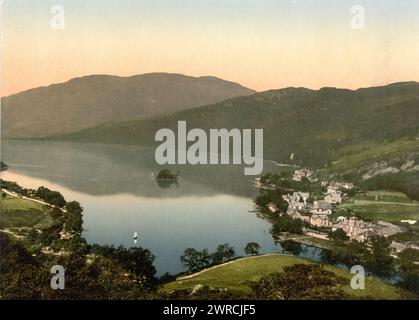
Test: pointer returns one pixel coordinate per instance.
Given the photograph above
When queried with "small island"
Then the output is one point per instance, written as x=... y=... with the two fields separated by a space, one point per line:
x=167 y=175
x=165 y=179
x=3 y=166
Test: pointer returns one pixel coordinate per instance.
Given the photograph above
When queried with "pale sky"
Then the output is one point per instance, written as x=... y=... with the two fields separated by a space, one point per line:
x=262 y=44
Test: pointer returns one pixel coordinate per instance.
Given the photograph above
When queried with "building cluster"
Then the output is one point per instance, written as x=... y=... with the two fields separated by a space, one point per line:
x=397 y=247
x=317 y=214
x=303 y=173
x=359 y=230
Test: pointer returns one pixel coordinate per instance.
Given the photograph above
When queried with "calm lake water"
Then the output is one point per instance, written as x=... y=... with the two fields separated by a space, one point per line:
x=116 y=186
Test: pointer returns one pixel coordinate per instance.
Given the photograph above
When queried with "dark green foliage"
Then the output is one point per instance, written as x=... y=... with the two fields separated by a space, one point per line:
x=350 y=254
x=223 y=254
x=137 y=261
x=409 y=271
x=166 y=174
x=379 y=261
x=299 y=281
x=252 y=248
x=407 y=183
x=52 y=197
x=3 y=166
x=338 y=235
x=24 y=276
x=292 y=247
x=376 y=259
x=287 y=224
x=314 y=125
x=204 y=293
x=194 y=260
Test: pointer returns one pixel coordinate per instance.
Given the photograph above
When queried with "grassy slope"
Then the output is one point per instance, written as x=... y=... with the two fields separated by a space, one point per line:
x=15 y=212
x=93 y=100
x=382 y=205
x=234 y=276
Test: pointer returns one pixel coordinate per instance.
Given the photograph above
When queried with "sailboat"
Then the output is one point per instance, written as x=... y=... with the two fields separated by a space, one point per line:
x=135 y=236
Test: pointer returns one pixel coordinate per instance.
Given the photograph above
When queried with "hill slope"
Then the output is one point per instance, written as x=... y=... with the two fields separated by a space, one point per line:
x=93 y=100
x=236 y=275
x=366 y=132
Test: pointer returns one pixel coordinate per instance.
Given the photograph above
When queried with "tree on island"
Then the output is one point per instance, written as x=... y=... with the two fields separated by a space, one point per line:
x=165 y=179
x=3 y=166
x=252 y=248
x=287 y=224
x=166 y=174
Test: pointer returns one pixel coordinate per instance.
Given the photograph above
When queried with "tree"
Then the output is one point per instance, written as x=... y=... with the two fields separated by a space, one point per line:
x=287 y=224
x=409 y=271
x=252 y=248
x=292 y=247
x=379 y=260
x=4 y=195
x=338 y=235
x=138 y=261
x=194 y=260
x=223 y=254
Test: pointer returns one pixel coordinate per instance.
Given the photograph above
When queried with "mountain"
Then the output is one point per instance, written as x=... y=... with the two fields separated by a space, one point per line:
x=365 y=134
x=93 y=100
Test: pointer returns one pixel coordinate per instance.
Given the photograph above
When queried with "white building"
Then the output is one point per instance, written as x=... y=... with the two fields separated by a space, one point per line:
x=333 y=197
x=320 y=220
x=355 y=228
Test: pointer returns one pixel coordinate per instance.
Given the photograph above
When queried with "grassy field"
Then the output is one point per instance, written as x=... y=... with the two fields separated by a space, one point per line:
x=16 y=212
x=382 y=205
x=237 y=274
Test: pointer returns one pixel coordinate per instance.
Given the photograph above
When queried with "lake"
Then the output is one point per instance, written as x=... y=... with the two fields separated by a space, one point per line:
x=116 y=185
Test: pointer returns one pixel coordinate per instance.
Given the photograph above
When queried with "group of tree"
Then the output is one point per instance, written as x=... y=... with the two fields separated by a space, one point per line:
x=287 y=224
x=375 y=257
x=292 y=247
x=194 y=260
x=51 y=197
x=3 y=166
x=90 y=272
x=283 y=181
x=74 y=221
x=252 y=248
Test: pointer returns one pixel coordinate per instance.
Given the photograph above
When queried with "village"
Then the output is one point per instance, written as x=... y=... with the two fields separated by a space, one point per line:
x=319 y=215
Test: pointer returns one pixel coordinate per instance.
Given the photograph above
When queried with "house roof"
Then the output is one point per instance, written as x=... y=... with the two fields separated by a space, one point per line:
x=323 y=205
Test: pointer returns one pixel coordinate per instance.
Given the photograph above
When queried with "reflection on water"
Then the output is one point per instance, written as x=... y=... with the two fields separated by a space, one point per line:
x=116 y=186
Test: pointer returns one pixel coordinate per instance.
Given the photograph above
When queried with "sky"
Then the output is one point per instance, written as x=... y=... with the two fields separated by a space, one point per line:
x=261 y=44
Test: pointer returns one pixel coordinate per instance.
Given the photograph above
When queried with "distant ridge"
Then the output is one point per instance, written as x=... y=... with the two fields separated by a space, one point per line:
x=90 y=101
x=354 y=133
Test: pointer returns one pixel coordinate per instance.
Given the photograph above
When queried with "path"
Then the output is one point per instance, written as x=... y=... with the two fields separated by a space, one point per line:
x=224 y=264
x=63 y=234
x=13 y=194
